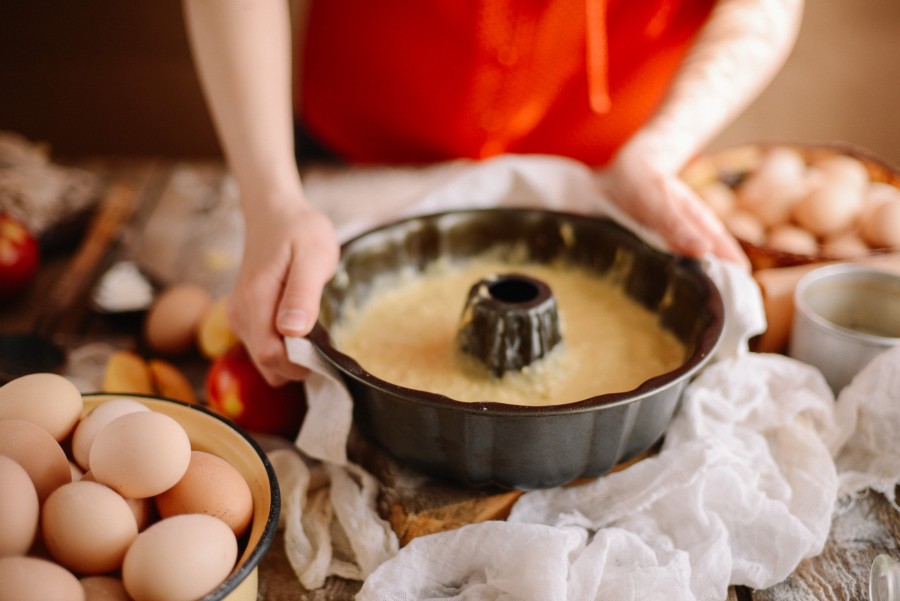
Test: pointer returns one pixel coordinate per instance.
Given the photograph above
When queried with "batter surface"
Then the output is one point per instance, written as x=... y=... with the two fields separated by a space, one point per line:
x=405 y=334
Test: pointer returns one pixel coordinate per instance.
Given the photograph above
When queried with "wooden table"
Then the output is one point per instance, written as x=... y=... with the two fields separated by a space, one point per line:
x=416 y=506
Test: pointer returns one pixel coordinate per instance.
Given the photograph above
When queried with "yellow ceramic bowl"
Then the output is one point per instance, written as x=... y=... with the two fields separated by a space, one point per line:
x=213 y=434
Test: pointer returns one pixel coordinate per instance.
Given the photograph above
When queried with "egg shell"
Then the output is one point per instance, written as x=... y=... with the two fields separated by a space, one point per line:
x=828 y=209
x=848 y=245
x=790 y=239
x=33 y=448
x=48 y=400
x=841 y=169
x=882 y=227
x=745 y=226
x=878 y=192
x=35 y=579
x=104 y=588
x=141 y=454
x=180 y=558
x=173 y=320
x=87 y=527
x=144 y=510
x=719 y=197
x=19 y=509
x=211 y=486
x=93 y=422
x=777 y=182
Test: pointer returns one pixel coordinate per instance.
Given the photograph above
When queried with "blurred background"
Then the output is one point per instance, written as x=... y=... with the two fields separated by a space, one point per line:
x=113 y=77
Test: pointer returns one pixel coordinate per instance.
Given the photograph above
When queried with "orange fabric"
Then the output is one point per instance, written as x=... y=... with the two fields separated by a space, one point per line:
x=413 y=81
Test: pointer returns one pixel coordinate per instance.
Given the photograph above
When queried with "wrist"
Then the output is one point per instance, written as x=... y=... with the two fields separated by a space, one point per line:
x=661 y=152
x=271 y=194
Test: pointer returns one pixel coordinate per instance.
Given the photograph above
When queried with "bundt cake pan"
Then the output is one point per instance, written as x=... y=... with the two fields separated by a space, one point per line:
x=509 y=445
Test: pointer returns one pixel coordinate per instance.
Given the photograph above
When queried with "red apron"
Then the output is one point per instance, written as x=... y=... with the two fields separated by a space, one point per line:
x=417 y=81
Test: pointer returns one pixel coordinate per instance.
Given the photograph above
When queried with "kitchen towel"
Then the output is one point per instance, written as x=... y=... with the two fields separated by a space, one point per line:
x=741 y=491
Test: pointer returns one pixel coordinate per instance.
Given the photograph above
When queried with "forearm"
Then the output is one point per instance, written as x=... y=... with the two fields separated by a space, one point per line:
x=735 y=56
x=242 y=50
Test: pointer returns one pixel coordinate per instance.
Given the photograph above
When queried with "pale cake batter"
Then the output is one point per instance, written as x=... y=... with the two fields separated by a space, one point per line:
x=405 y=334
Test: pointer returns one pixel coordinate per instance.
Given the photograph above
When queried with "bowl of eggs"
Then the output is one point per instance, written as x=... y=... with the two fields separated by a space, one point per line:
x=794 y=204
x=128 y=496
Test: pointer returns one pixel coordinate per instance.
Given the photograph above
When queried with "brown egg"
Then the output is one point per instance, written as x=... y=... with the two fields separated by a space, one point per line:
x=48 y=400
x=719 y=197
x=180 y=558
x=881 y=229
x=19 y=509
x=828 y=209
x=93 y=422
x=875 y=195
x=846 y=245
x=745 y=226
x=141 y=454
x=842 y=170
x=33 y=448
x=774 y=186
x=144 y=510
x=34 y=579
x=790 y=239
x=104 y=588
x=87 y=527
x=172 y=323
x=211 y=486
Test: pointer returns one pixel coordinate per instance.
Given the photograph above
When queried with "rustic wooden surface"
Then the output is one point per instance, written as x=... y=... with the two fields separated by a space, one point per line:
x=417 y=505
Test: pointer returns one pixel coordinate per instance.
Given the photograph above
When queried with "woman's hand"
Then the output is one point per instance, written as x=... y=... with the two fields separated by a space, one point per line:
x=667 y=205
x=289 y=256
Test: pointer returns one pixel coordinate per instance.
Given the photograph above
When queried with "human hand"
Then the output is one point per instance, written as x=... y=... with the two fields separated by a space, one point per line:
x=289 y=256
x=664 y=203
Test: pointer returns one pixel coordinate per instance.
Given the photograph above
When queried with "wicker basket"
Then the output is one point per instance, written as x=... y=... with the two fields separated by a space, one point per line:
x=731 y=165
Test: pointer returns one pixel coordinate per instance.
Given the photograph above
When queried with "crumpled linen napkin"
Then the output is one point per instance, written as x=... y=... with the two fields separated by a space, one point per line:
x=742 y=490
x=868 y=445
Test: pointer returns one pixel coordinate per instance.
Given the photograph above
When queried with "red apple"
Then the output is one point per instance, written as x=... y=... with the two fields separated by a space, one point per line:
x=19 y=256
x=236 y=389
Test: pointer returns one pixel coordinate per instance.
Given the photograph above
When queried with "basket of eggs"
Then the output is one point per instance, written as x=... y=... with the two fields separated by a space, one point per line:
x=794 y=204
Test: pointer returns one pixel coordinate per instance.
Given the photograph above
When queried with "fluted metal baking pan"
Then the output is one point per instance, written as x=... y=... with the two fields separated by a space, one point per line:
x=519 y=446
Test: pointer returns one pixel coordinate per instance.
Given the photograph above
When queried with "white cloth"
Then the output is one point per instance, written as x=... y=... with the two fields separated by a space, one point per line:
x=742 y=490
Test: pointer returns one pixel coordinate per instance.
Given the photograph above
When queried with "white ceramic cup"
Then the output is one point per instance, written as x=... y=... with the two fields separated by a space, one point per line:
x=844 y=315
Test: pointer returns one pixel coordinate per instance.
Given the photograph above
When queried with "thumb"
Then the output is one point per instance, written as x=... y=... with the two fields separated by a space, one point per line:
x=299 y=305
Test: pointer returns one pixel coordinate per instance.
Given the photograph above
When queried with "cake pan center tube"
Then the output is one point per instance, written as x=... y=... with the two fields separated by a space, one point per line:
x=509 y=321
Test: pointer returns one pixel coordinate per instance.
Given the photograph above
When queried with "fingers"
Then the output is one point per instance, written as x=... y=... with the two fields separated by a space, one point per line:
x=669 y=207
x=307 y=275
x=707 y=227
x=278 y=289
x=264 y=343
